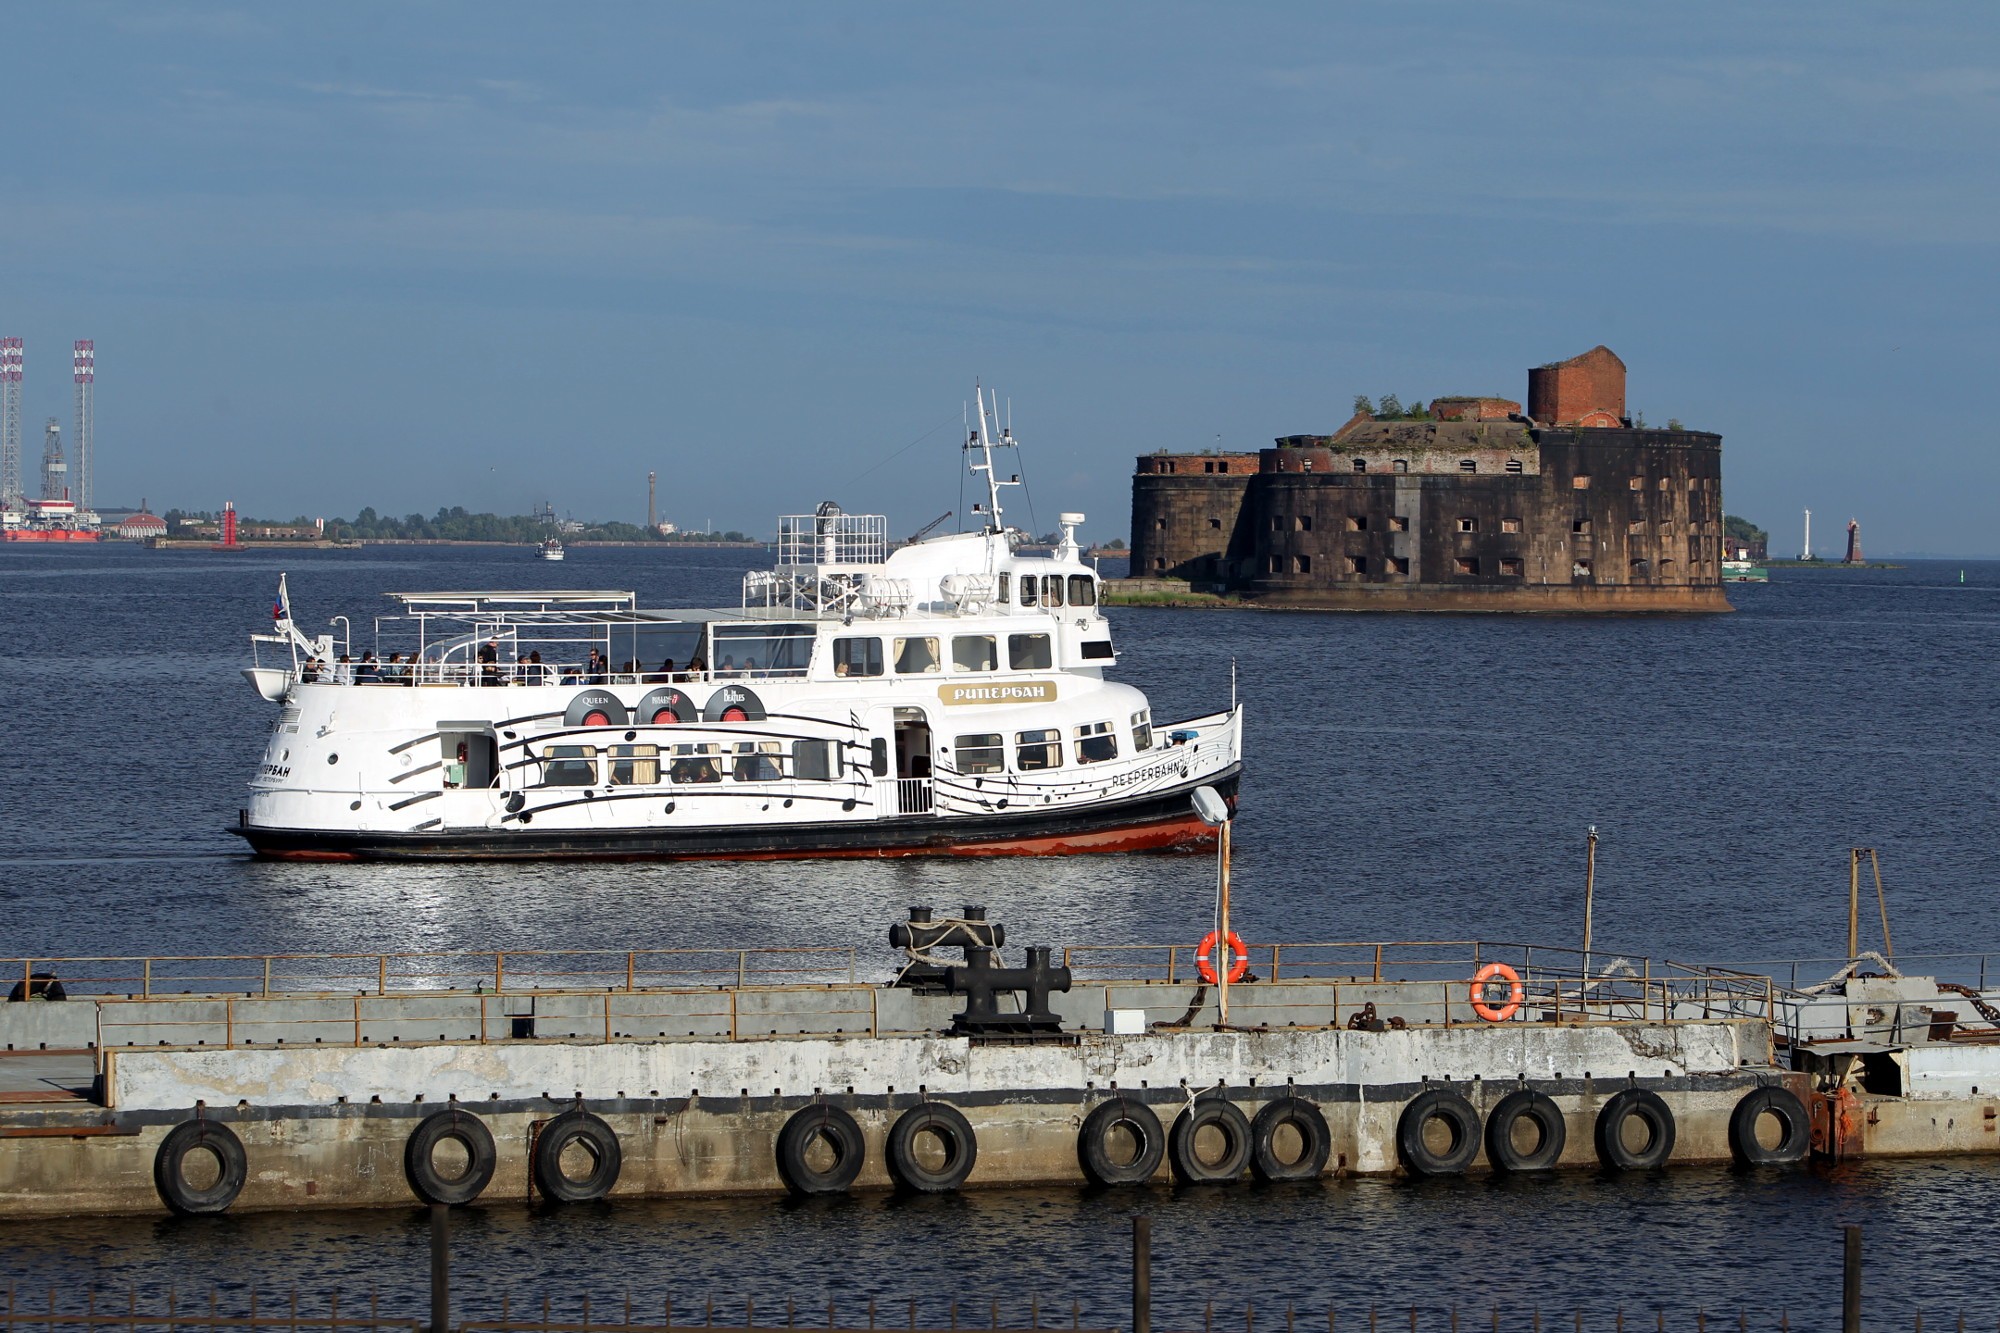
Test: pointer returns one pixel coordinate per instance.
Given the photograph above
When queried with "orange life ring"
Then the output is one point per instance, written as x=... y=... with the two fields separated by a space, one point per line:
x=1516 y=993
x=1204 y=958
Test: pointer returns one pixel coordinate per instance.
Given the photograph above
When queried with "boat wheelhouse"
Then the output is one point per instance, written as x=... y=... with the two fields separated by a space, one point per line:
x=945 y=697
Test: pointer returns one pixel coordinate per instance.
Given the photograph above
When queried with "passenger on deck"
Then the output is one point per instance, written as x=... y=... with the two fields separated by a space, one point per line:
x=534 y=675
x=370 y=672
x=664 y=675
x=594 y=668
x=343 y=671
x=489 y=662
x=697 y=667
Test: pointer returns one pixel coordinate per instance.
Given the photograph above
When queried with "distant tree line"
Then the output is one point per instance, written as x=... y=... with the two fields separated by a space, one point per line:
x=456 y=524
x=1391 y=408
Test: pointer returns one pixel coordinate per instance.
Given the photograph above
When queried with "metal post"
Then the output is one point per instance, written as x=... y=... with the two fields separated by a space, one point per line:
x=1142 y=1274
x=1225 y=960
x=1589 y=893
x=1850 y=1282
x=1853 y=903
x=1882 y=901
x=440 y=1268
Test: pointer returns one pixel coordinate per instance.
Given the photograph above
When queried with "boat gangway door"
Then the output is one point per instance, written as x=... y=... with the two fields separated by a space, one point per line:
x=913 y=796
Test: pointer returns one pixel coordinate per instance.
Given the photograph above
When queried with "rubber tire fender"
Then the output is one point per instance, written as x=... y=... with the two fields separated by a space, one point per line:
x=187 y=1137
x=1530 y=1104
x=1782 y=1103
x=1652 y=1108
x=420 y=1169
x=1448 y=1106
x=558 y=1134
x=820 y=1120
x=1094 y=1138
x=961 y=1149
x=1302 y=1116
x=1189 y=1169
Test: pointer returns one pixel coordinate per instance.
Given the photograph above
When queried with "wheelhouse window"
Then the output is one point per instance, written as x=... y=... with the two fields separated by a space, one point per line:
x=1052 y=590
x=1036 y=750
x=569 y=766
x=634 y=765
x=757 y=761
x=1095 y=743
x=857 y=657
x=982 y=752
x=697 y=762
x=1082 y=590
x=1142 y=731
x=1003 y=588
x=973 y=652
x=1029 y=652
x=914 y=657
x=1028 y=586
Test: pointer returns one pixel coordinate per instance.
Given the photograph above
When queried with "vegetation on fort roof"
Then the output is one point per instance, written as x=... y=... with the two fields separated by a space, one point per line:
x=1742 y=529
x=1391 y=408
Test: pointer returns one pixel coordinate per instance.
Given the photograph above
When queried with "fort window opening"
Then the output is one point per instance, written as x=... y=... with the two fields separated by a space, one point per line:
x=1581 y=527
x=1467 y=465
x=1277 y=523
x=1663 y=483
x=1510 y=525
x=1270 y=564
x=1399 y=523
x=1357 y=522
x=1302 y=564
x=1401 y=465
x=1667 y=568
x=1160 y=523
x=1034 y=750
x=1466 y=564
x=1467 y=523
x=1303 y=523
x=1641 y=569
x=1357 y=564
x=1514 y=465
x=1580 y=570
x=1306 y=464
x=1215 y=523
x=1159 y=566
x=1510 y=566
x=1360 y=465
x=1398 y=564
x=1636 y=525
x=1638 y=483
x=1580 y=482
x=1208 y=467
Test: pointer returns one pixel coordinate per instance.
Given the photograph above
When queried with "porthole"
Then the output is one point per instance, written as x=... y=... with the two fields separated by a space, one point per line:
x=631 y=735
x=333 y=759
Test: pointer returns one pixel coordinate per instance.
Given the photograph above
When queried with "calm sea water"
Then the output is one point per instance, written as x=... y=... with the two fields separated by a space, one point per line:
x=1409 y=778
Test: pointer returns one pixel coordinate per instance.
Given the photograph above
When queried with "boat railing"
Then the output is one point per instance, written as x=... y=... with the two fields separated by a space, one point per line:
x=476 y=673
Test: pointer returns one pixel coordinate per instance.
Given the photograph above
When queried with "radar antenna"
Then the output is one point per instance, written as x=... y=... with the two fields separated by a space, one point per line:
x=987 y=435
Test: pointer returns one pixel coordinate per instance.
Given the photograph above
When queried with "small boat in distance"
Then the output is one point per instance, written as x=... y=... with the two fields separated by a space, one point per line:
x=948 y=697
x=550 y=547
x=1744 y=571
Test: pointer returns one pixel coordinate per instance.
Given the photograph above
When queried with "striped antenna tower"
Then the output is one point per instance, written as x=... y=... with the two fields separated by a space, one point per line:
x=10 y=423
x=85 y=362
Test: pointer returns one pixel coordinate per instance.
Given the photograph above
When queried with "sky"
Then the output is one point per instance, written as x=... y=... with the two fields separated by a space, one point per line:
x=422 y=254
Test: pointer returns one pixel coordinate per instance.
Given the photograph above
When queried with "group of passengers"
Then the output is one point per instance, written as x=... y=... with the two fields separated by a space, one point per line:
x=597 y=669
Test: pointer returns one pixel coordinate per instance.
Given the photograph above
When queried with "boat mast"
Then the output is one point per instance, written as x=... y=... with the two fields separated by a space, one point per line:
x=981 y=438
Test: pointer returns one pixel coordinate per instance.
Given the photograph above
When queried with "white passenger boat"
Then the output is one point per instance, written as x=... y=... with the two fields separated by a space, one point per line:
x=948 y=697
x=551 y=548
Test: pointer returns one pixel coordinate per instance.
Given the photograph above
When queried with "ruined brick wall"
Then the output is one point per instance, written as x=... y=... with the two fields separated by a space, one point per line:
x=1586 y=390
x=1474 y=409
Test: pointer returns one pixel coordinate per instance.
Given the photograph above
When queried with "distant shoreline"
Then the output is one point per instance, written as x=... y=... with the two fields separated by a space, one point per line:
x=466 y=541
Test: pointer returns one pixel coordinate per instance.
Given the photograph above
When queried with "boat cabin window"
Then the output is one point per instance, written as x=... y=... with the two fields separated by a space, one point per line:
x=1037 y=750
x=973 y=652
x=878 y=757
x=916 y=656
x=757 y=761
x=634 y=765
x=1142 y=731
x=569 y=766
x=1029 y=652
x=699 y=762
x=1095 y=743
x=857 y=657
x=1097 y=648
x=1028 y=586
x=1003 y=588
x=815 y=761
x=1052 y=590
x=981 y=753
x=1082 y=590
x=760 y=651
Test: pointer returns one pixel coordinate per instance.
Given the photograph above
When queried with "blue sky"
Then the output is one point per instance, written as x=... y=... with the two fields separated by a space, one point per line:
x=420 y=254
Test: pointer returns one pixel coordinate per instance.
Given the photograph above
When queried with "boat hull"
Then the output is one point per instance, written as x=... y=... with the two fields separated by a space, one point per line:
x=1161 y=821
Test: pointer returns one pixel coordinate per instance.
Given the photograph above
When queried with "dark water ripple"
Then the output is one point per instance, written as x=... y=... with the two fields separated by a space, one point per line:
x=1410 y=778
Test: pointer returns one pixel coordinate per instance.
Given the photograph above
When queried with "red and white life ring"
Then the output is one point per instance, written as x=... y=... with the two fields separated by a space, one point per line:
x=1516 y=992
x=1204 y=958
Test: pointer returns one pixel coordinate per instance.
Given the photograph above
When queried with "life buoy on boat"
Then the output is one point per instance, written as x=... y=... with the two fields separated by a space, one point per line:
x=596 y=708
x=664 y=707
x=1204 y=958
x=1516 y=992
x=733 y=703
